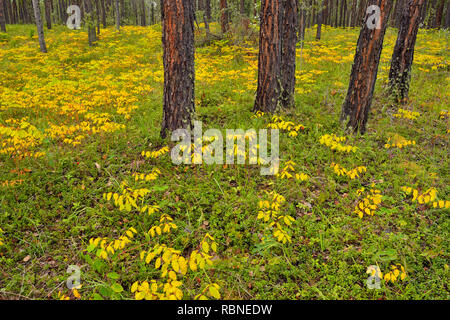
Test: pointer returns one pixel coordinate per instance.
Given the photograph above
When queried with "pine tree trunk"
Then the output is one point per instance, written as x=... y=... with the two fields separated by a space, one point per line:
x=179 y=75
x=353 y=15
x=117 y=13
x=402 y=59
x=224 y=18
x=447 y=17
x=439 y=14
x=153 y=13
x=288 y=48
x=48 y=13
x=208 y=10
x=364 y=70
x=143 y=22
x=90 y=17
x=40 y=29
x=269 y=62
x=103 y=13
x=319 y=22
x=2 y=17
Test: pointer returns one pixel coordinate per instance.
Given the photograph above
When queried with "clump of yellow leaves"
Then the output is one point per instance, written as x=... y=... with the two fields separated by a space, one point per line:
x=369 y=204
x=399 y=142
x=444 y=114
x=168 y=259
x=172 y=265
x=129 y=198
x=258 y=114
x=288 y=172
x=107 y=247
x=153 y=175
x=334 y=143
x=427 y=197
x=165 y=226
x=155 y=154
x=20 y=139
x=155 y=291
x=406 y=114
x=352 y=174
x=211 y=290
x=270 y=213
x=395 y=273
x=292 y=128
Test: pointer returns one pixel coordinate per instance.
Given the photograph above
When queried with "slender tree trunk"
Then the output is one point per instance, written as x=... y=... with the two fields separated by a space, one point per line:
x=447 y=17
x=90 y=17
x=224 y=18
x=288 y=48
x=402 y=59
x=153 y=13
x=432 y=13
x=143 y=22
x=103 y=6
x=40 y=29
x=364 y=71
x=319 y=25
x=48 y=13
x=269 y=63
x=208 y=10
x=302 y=27
x=117 y=13
x=2 y=17
x=439 y=14
x=179 y=74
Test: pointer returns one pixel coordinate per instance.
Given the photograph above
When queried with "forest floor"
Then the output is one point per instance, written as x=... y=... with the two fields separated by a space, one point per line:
x=79 y=127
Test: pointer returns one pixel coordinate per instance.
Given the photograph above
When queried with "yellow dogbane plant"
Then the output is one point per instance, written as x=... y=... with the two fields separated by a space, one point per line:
x=106 y=247
x=334 y=143
x=429 y=196
x=352 y=174
x=292 y=128
x=369 y=204
x=270 y=213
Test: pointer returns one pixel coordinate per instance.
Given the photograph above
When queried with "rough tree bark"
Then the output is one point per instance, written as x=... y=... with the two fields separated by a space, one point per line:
x=288 y=48
x=2 y=17
x=48 y=13
x=269 y=61
x=403 y=56
x=224 y=17
x=178 y=57
x=40 y=29
x=364 y=70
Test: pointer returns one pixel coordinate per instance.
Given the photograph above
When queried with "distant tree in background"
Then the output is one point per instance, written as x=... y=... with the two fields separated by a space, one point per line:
x=40 y=29
x=2 y=17
x=224 y=17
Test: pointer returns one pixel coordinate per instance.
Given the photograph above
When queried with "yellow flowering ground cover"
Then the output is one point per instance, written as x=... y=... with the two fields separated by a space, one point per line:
x=85 y=179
